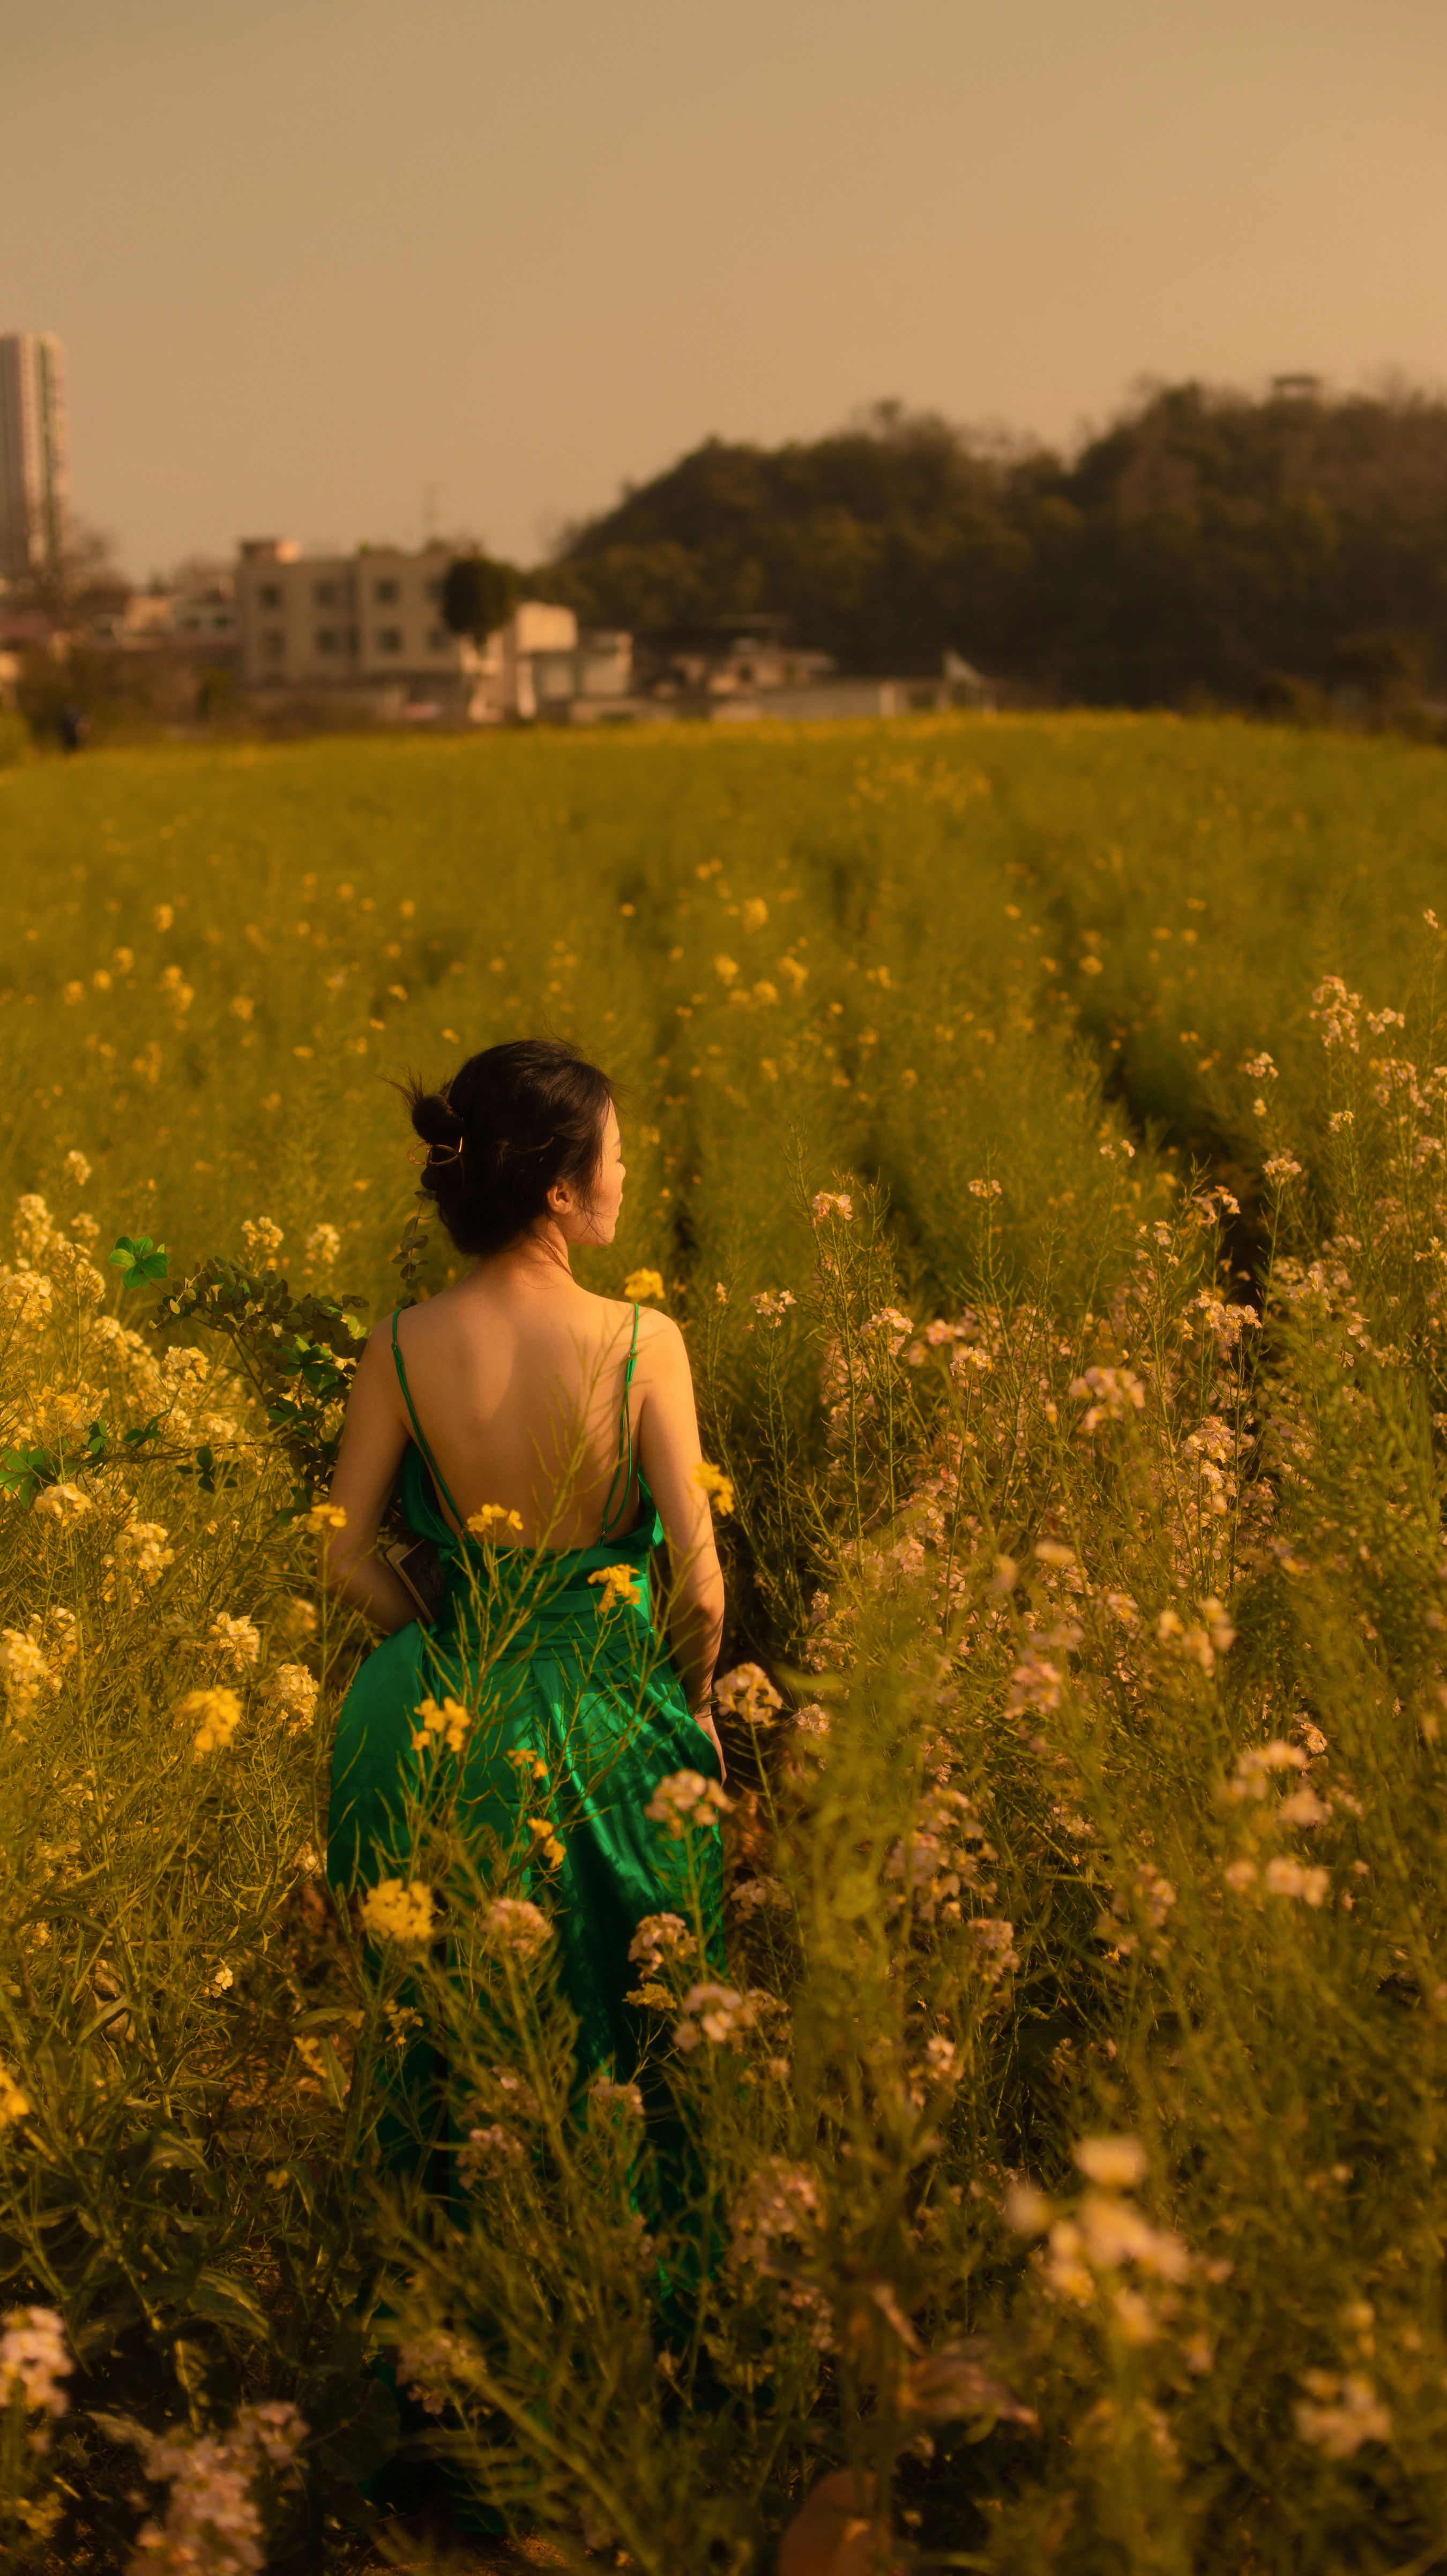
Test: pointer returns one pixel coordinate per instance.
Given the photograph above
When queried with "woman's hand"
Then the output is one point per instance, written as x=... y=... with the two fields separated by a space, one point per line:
x=704 y=1717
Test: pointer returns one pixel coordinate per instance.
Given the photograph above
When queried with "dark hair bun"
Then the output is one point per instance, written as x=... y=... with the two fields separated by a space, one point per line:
x=436 y=1121
x=510 y=1125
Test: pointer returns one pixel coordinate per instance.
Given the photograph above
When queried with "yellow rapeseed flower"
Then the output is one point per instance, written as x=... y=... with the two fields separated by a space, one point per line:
x=13 y=2103
x=726 y=968
x=620 y=1583
x=393 y=1911
x=325 y=1516
x=448 y=1721
x=218 y=1711
x=643 y=1283
x=712 y=1482
x=489 y=1518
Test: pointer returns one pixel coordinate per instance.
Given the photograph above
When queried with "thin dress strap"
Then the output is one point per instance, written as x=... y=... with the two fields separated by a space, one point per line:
x=439 y=1480
x=624 y=1467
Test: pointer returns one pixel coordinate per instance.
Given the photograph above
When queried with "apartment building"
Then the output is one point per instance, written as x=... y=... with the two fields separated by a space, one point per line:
x=34 y=454
x=372 y=622
x=323 y=621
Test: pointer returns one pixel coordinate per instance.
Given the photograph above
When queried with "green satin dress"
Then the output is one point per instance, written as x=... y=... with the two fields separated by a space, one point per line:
x=560 y=1668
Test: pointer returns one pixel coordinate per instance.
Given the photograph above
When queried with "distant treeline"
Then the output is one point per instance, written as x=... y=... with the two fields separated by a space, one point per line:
x=1278 y=553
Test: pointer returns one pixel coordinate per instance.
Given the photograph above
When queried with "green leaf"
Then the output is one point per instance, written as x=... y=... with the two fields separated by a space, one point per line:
x=367 y=2434
x=173 y=2154
x=229 y=2301
x=139 y=1260
x=208 y=1470
x=26 y=1472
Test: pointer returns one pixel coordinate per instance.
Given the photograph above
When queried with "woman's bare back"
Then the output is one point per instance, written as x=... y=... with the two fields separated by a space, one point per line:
x=518 y=1385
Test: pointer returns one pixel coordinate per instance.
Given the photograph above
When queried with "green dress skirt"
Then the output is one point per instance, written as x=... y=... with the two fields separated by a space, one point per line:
x=567 y=1670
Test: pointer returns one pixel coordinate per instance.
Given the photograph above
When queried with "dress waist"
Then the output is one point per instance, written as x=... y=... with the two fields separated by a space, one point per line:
x=528 y=1603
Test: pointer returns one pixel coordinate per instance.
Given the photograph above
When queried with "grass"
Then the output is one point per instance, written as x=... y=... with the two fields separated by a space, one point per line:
x=1066 y=2166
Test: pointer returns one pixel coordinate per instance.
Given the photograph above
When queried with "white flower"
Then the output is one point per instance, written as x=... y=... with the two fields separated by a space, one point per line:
x=515 y=1924
x=322 y=1246
x=145 y=1541
x=33 y=2362
x=1026 y=2212
x=752 y=1895
x=1117 y=2164
x=213 y=2524
x=779 y=2203
x=293 y=1690
x=772 y=1305
x=812 y=1720
x=487 y=2153
x=747 y=1692
x=660 y=1937
x=429 y=2366
x=237 y=1639
x=262 y=1240
x=1352 y=2414
x=622 y=2097
x=1285 y=1877
x=686 y=1801
x=994 y=1941
x=717 y=2013
x=1255 y=1765
x=24 y=1669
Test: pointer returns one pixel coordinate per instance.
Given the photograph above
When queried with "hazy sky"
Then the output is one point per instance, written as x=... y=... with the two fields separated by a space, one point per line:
x=316 y=258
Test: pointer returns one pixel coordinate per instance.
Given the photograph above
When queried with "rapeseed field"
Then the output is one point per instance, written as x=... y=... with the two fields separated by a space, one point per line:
x=1038 y=1127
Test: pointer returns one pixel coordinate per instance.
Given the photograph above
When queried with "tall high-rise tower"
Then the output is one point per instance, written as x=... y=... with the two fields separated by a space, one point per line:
x=34 y=453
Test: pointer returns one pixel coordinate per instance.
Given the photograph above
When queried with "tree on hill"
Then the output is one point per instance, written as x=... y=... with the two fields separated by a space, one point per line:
x=1205 y=545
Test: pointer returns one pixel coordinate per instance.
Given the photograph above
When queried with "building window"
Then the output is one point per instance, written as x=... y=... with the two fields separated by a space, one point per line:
x=389 y=639
x=436 y=639
x=386 y=594
x=434 y=591
x=273 y=645
x=269 y=595
x=325 y=594
x=326 y=639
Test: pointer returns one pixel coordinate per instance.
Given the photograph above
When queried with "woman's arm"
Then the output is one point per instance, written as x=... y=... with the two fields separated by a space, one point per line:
x=669 y=1452
x=374 y=1436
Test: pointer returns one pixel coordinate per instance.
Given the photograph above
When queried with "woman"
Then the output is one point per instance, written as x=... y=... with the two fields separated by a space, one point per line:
x=547 y=1443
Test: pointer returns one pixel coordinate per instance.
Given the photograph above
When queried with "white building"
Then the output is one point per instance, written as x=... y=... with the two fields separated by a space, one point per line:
x=372 y=622
x=34 y=454
x=320 y=621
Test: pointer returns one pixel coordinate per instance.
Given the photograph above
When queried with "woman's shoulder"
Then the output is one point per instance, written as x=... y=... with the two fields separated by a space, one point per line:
x=423 y=1323
x=656 y=1331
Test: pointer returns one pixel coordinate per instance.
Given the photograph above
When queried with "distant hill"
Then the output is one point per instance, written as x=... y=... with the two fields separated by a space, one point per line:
x=1205 y=547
